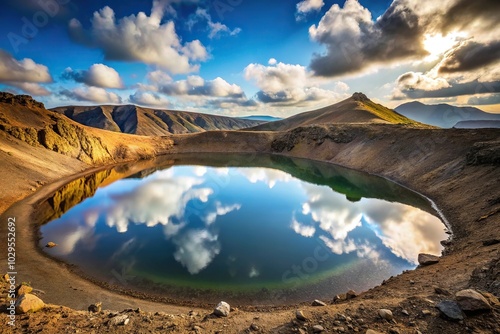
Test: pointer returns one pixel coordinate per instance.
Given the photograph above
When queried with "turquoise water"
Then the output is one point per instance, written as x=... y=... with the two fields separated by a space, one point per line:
x=287 y=231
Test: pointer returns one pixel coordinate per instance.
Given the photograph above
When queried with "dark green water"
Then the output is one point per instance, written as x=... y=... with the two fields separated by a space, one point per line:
x=277 y=231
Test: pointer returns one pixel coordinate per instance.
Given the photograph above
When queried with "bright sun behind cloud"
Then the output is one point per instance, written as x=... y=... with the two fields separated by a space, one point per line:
x=438 y=44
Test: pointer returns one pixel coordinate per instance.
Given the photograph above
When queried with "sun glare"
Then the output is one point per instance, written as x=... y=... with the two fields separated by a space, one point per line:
x=438 y=44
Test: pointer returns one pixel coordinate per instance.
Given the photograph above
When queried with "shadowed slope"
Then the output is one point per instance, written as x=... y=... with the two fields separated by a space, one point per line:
x=151 y=122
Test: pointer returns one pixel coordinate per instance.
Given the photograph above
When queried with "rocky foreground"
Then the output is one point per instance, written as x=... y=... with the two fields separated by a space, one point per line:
x=467 y=311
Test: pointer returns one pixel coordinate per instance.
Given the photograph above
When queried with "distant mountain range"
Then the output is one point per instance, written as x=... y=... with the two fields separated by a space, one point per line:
x=356 y=109
x=444 y=115
x=151 y=122
x=477 y=125
x=262 y=118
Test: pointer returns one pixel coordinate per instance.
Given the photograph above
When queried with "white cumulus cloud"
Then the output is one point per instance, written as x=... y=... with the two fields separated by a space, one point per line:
x=307 y=6
x=289 y=84
x=140 y=38
x=91 y=94
x=98 y=75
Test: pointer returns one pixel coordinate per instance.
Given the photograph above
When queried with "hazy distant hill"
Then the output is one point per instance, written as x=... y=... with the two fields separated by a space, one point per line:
x=443 y=115
x=356 y=109
x=477 y=125
x=150 y=122
x=262 y=118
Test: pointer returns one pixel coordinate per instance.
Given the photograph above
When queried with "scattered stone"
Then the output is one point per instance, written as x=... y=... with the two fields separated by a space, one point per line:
x=222 y=309
x=339 y=298
x=441 y=291
x=427 y=259
x=405 y=312
x=450 y=310
x=50 y=244
x=412 y=282
x=317 y=302
x=492 y=300
x=472 y=301
x=318 y=329
x=426 y=312
x=6 y=277
x=95 y=308
x=119 y=320
x=351 y=294
x=28 y=303
x=197 y=329
x=254 y=327
x=339 y=329
x=491 y=242
x=394 y=331
x=23 y=288
x=385 y=314
x=300 y=316
x=371 y=331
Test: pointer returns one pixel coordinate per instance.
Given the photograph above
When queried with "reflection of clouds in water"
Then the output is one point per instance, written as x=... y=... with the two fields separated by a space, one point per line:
x=220 y=210
x=340 y=246
x=154 y=201
x=329 y=209
x=303 y=230
x=160 y=198
x=196 y=249
x=268 y=176
x=367 y=251
x=200 y=170
x=405 y=230
x=253 y=272
x=73 y=232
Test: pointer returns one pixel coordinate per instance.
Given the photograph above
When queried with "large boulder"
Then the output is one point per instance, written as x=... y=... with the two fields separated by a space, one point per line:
x=28 y=303
x=472 y=301
x=23 y=289
x=222 y=309
x=427 y=259
x=385 y=314
x=450 y=310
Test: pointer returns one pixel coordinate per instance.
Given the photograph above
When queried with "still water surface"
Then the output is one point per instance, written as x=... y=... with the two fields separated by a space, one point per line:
x=279 y=230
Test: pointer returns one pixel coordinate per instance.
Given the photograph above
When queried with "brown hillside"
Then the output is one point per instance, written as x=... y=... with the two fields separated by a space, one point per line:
x=354 y=110
x=26 y=120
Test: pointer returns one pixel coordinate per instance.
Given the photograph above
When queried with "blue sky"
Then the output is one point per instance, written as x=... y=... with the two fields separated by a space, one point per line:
x=242 y=57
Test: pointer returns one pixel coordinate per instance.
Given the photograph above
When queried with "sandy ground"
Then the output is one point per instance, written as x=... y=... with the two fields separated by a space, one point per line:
x=432 y=162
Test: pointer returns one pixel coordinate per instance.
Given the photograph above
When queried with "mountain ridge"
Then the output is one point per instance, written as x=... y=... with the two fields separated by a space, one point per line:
x=358 y=109
x=138 y=120
x=443 y=115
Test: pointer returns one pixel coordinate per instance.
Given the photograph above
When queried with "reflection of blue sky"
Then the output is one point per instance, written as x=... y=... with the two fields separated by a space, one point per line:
x=188 y=203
